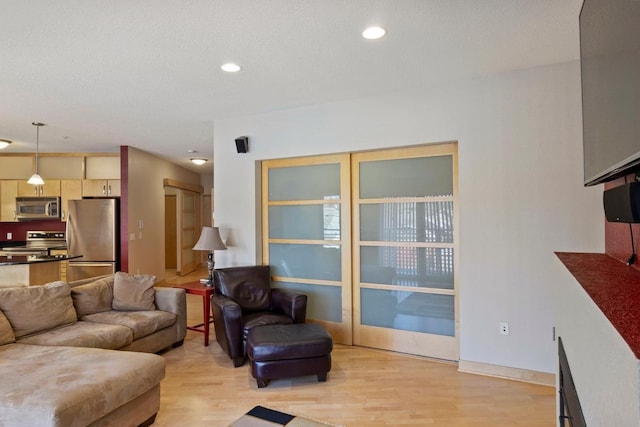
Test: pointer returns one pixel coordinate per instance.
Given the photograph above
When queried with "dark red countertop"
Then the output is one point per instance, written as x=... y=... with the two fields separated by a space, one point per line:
x=614 y=288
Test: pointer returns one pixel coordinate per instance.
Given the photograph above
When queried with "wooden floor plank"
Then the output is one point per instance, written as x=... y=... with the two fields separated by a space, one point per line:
x=365 y=387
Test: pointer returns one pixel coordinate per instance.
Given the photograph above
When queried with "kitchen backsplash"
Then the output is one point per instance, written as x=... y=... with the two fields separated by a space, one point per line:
x=19 y=229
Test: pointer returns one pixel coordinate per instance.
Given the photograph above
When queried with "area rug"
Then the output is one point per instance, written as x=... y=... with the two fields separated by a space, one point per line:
x=260 y=416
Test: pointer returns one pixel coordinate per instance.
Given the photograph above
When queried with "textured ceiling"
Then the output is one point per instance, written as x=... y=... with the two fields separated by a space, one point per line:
x=146 y=73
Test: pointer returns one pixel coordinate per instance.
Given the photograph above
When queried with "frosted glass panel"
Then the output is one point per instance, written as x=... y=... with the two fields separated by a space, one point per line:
x=407 y=266
x=187 y=256
x=409 y=311
x=188 y=201
x=188 y=219
x=189 y=238
x=419 y=177
x=407 y=222
x=323 y=302
x=313 y=222
x=305 y=261
x=317 y=182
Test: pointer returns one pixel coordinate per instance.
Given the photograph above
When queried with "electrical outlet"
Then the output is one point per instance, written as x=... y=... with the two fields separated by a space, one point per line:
x=503 y=328
x=9 y=236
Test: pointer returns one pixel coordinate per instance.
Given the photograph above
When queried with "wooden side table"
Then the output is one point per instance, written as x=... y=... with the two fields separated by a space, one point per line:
x=197 y=288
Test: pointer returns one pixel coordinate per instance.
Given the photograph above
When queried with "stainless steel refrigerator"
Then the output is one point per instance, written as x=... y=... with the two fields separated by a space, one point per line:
x=93 y=231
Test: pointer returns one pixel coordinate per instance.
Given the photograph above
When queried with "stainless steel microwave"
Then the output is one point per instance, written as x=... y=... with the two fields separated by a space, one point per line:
x=34 y=208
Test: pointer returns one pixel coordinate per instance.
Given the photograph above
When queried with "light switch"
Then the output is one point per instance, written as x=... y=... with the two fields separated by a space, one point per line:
x=9 y=236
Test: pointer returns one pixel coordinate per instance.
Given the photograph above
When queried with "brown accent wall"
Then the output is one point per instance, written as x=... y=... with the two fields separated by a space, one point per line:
x=617 y=237
x=142 y=202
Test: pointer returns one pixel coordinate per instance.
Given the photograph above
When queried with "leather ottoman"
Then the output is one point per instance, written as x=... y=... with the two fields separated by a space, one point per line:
x=284 y=351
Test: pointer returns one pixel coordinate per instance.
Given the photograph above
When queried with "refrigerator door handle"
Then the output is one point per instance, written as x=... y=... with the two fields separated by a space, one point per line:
x=66 y=231
x=88 y=264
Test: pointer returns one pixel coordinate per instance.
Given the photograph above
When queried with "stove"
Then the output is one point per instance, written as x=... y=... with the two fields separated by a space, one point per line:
x=38 y=243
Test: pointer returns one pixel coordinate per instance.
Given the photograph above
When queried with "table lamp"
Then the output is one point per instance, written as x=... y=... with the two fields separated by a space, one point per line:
x=210 y=241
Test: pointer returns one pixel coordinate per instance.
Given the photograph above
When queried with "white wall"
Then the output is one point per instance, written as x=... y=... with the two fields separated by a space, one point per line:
x=520 y=187
x=603 y=367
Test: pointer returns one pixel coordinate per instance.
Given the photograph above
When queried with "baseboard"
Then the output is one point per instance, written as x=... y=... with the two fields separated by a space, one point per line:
x=525 y=375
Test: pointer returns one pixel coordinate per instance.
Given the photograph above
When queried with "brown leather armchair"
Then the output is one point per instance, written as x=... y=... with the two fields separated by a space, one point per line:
x=244 y=299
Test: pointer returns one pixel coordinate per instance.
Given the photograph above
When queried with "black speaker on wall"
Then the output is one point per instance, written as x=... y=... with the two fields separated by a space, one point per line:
x=242 y=144
x=622 y=203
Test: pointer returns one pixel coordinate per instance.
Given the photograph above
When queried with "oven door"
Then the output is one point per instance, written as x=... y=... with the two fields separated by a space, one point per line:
x=23 y=251
x=84 y=270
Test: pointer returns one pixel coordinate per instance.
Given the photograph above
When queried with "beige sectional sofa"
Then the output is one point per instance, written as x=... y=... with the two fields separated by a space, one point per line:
x=58 y=362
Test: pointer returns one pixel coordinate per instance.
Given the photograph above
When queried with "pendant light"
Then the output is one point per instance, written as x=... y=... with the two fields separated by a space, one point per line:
x=35 y=178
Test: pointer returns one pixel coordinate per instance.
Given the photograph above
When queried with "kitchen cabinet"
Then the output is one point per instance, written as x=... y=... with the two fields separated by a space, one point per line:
x=101 y=188
x=62 y=264
x=102 y=167
x=70 y=189
x=16 y=167
x=67 y=189
x=8 y=194
x=51 y=188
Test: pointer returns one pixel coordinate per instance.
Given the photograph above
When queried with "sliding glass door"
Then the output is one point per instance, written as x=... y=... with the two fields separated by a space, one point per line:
x=404 y=250
x=371 y=238
x=306 y=235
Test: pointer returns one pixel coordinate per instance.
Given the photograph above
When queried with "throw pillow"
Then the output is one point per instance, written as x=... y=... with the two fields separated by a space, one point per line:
x=33 y=309
x=133 y=292
x=6 y=331
x=94 y=297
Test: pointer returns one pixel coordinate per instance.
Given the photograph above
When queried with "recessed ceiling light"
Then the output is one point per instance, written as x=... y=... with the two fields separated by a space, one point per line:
x=230 y=67
x=4 y=143
x=374 y=33
x=198 y=161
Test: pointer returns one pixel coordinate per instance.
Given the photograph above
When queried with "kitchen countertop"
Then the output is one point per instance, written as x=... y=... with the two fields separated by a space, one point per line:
x=32 y=259
x=613 y=287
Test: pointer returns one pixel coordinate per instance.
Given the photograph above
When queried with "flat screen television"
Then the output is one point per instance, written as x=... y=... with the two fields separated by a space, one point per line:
x=610 y=67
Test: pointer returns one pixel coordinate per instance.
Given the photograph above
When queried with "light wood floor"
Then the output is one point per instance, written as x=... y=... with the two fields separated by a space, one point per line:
x=365 y=387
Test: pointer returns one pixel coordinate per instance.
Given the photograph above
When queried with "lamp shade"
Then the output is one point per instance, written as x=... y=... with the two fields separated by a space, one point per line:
x=35 y=180
x=210 y=240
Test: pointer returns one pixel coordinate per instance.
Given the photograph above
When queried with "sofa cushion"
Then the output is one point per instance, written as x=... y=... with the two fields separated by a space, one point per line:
x=142 y=323
x=72 y=386
x=93 y=297
x=6 y=331
x=84 y=334
x=133 y=292
x=37 y=308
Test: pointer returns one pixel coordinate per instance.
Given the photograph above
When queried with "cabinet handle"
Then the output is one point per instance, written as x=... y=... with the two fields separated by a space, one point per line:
x=109 y=189
x=104 y=190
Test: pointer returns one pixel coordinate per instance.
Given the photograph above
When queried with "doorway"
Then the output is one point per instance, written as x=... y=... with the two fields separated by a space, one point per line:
x=183 y=221
x=170 y=232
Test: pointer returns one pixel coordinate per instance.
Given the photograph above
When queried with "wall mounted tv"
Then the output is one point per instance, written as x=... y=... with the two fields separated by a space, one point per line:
x=610 y=65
